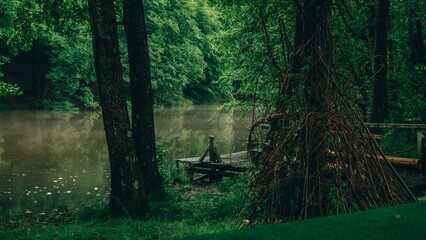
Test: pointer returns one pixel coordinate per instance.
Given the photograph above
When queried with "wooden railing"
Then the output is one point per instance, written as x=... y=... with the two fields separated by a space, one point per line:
x=421 y=137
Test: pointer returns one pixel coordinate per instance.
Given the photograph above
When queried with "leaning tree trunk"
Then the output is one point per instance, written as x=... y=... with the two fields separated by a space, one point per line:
x=127 y=187
x=142 y=96
x=380 y=101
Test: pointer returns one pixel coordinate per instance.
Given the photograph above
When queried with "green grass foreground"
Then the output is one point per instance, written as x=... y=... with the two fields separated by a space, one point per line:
x=398 y=222
x=209 y=212
x=188 y=210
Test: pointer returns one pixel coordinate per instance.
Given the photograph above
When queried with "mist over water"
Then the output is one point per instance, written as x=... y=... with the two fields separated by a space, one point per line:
x=55 y=160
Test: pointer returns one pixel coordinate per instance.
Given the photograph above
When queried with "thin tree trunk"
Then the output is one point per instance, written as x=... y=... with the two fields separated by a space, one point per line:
x=418 y=41
x=271 y=60
x=142 y=95
x=296 y=60
x=380 y=101
x=127 y=188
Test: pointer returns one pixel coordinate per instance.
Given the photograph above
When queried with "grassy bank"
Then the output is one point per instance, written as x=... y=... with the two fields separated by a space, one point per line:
x=208 y=212
x=188 y=210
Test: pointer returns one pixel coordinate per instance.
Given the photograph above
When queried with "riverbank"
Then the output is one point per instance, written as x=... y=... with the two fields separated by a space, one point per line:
x=188 y=210
x=208 y=212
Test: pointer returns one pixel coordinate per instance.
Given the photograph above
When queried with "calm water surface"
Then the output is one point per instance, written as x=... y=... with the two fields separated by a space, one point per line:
x=53 y=160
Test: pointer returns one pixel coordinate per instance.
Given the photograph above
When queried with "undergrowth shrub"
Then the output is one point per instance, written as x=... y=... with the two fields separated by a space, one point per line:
x=400 y=142
x=168 y=169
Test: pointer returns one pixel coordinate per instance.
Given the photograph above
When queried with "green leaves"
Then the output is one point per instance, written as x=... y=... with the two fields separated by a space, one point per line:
x=60 y=31
x=185 y=61
x=183 y=58
x=72 y=71
x=246 y=55
x=7 y=90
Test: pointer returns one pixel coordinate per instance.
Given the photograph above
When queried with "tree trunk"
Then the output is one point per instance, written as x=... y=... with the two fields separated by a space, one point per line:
x=142 y=95
x=380 y=101
x=318 y=53
x=127 y=187
x=296 y=60
x=417 y=37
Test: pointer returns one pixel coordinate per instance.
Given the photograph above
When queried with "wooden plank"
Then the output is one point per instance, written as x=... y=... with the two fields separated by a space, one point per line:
x=398 y=161
x=222 y=166
x=402 y=161
x=396 y=125
x=211 y=172
x=230 y=157
x=201 y=178
x=238 y=160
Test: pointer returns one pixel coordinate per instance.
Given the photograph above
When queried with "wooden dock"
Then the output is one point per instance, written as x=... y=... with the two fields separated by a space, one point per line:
x=214 y=167
x=231 y=164
x=236 y=163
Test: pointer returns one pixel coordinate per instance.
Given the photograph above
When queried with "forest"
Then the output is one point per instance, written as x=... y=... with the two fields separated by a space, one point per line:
x=208 y=51
x=47 y=52
x=301 y=78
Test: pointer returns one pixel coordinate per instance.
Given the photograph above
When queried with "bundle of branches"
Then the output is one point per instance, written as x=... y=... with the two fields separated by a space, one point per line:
x=319 y=163
x=318 y=158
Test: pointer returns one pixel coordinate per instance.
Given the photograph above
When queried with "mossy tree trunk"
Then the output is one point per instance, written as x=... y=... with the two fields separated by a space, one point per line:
x=127 y=186
x=142 y=95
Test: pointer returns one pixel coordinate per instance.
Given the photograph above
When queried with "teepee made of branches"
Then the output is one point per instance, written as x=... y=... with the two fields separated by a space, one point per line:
x=319 y=158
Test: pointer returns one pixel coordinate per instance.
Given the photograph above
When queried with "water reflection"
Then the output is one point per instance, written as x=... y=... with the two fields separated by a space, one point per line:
x=52 y=160
x=184 y=131
x=49 y=160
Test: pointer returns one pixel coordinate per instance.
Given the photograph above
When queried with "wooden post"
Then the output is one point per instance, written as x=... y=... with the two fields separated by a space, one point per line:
x=212 y=153
x=421 y=147
x=423 y=156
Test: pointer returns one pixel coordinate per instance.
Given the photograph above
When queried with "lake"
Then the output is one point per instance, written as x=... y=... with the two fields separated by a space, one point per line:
x=59 y=160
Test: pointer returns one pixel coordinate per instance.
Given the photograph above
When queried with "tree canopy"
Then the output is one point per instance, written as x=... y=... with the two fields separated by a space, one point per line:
x=45 y=51
x=209 y=51
x=258 y=47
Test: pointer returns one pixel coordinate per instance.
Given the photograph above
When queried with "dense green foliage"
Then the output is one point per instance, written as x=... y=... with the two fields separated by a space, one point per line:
x=248 y=53
x=185 y=63
x=259 y=39
x=46 y=50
